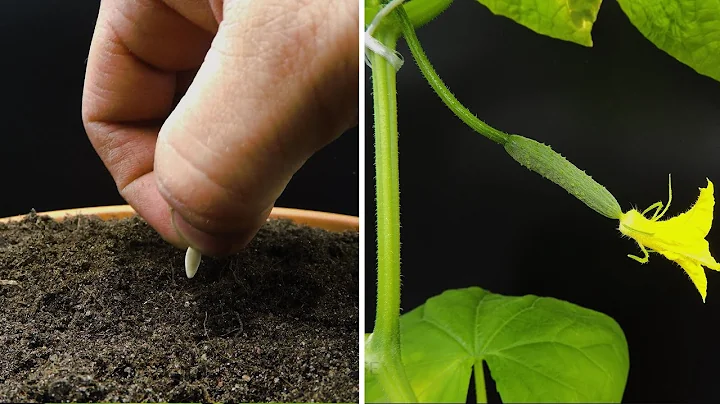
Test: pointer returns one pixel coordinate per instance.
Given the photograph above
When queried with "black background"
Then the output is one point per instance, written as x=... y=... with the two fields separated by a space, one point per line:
x=46 y=161
x=625 y=112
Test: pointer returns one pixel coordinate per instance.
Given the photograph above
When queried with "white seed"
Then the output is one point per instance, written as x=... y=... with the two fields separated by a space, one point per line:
x=192 y=261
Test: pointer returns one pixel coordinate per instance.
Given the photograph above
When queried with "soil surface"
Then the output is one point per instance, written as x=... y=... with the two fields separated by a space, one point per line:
x=103 y=311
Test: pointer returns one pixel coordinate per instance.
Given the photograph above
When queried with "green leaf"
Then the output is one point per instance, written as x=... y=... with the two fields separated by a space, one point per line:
x=569 y=20
x=538 y=349
x=688 y=30
x=420 y=12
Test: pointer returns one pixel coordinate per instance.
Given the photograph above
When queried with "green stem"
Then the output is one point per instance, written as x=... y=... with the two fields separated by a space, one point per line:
x=467 y=117
x=439 y=86
x=385 y=341
x=529 y=153
x=480 y=390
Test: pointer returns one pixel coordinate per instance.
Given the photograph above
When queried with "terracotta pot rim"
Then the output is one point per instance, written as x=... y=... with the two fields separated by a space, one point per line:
x=325 y=220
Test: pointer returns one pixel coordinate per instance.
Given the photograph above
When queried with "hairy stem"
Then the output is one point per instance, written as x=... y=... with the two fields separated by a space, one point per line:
x=385 y=340
x=439 y=86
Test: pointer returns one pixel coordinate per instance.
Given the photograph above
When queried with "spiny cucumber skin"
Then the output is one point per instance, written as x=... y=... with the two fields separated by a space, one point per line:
x=545 y=161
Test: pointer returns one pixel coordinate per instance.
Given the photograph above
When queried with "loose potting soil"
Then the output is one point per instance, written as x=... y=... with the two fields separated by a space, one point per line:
x=103 y=311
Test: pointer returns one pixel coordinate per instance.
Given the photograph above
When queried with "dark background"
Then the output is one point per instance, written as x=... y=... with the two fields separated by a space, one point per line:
x=625 y=112
x=45 y=157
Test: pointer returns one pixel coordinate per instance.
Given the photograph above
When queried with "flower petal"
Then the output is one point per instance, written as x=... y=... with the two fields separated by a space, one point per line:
x=681 y=238
x=696 y=222
x=696 y=273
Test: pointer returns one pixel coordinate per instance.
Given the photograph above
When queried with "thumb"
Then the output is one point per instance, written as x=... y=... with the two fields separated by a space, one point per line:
x=279 y=82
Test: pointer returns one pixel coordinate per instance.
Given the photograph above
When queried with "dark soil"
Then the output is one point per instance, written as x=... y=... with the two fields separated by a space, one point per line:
x=102 y=311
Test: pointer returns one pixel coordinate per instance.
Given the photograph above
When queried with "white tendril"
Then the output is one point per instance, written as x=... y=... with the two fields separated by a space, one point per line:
x=372 y=45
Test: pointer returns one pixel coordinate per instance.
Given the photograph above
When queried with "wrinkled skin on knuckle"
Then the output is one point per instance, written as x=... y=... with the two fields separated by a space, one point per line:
x=311 y=44
x=208 y=203
x=281 y=58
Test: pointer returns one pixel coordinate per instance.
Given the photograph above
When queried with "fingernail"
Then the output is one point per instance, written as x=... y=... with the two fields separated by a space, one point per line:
x=207 y=244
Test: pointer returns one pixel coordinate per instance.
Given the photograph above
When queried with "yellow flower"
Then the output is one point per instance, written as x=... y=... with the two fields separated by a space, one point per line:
x=680 y=239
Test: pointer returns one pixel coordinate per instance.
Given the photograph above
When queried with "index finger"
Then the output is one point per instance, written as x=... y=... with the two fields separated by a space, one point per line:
x=141 y=55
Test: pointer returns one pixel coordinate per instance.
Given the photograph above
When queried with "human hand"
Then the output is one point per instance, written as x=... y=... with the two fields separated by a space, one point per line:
x=205 y=109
